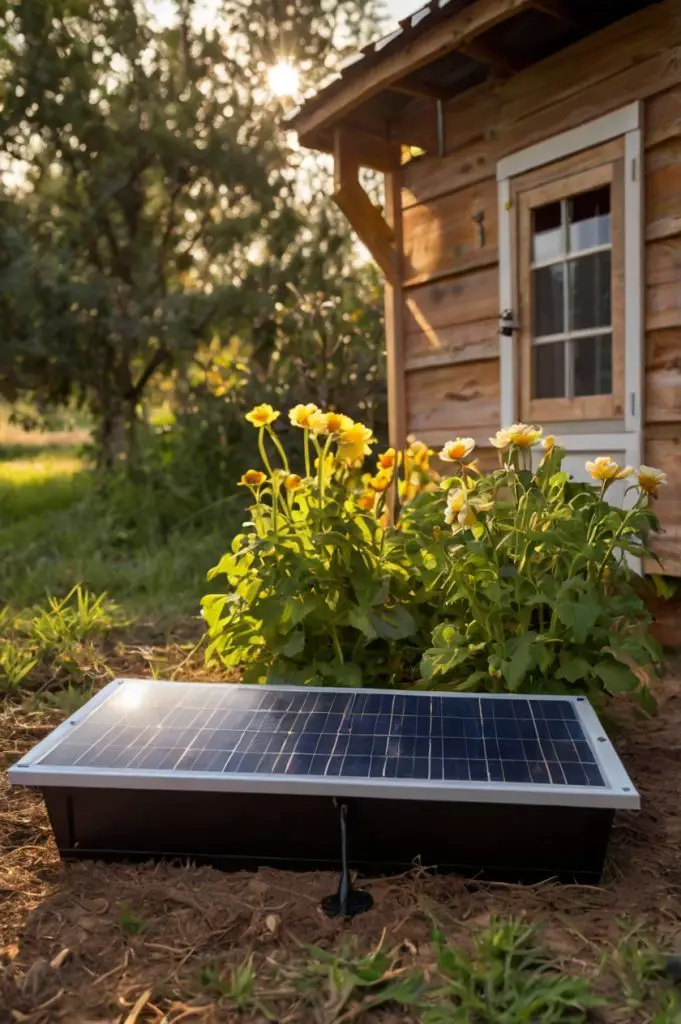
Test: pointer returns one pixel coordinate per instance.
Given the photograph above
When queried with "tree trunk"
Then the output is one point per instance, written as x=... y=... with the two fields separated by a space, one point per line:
x=116 y=437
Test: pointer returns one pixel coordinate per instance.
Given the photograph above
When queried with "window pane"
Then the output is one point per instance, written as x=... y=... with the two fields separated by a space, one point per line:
x=547 y=296
x=589 y=219
x=593 y=365
x=589 y=286
x=547 y=233
x=548 y=371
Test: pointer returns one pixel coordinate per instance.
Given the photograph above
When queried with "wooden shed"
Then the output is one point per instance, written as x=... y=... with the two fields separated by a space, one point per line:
x=531 y=236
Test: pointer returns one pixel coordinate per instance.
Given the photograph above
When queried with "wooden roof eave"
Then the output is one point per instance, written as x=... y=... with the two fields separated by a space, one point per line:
x=459 y=32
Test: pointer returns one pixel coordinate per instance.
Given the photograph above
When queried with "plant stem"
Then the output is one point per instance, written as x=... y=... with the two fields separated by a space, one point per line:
x=278 y=446
x=263 y=453
x=336 y=644
x=306 y=448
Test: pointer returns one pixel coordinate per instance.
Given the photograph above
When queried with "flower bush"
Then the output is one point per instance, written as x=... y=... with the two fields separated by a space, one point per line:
x=537 y=591
x=514 y=580
x=322 y=588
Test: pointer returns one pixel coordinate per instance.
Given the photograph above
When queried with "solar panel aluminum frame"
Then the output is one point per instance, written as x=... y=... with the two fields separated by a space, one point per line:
x=617 y=793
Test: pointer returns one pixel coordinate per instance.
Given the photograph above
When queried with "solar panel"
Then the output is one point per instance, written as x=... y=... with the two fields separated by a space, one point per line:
x=444 y=746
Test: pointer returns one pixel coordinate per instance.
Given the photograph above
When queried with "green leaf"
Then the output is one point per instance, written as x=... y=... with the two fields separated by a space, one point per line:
x=579 y=614
x=574 y=670
x=516 y=667
x=360 y=620
x=295 y=644
x=616 y=678
x=393 y=623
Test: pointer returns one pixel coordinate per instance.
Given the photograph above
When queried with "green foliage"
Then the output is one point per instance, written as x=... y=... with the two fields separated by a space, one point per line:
x=537 y=595
x=156 y=206
x=507 y=977
x=320 y=587
x=56 y=637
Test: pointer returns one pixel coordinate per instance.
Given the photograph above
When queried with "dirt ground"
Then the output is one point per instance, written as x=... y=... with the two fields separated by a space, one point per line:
x=116 y=943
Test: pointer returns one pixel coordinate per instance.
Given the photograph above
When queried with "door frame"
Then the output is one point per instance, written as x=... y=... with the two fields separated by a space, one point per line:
x=625 y=122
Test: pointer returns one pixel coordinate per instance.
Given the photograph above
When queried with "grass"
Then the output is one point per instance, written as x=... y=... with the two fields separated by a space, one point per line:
x=57 y=529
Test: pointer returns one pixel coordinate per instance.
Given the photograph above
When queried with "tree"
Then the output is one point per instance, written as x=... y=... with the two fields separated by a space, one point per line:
x=152 y=199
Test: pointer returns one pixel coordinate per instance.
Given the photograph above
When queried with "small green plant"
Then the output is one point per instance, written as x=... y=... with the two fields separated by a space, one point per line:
x=67 y=700
x=536 y=591
x=71 y=620
x=59 y=639
x=130 y=922
x=16 y=663
x=238 y=987
x=506 y=978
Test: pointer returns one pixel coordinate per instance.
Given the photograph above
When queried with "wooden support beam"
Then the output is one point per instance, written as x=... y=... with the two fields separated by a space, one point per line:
x=443 y=38
x=556 y=9
x=499 y=62
x=411 y=86
x=367 y=220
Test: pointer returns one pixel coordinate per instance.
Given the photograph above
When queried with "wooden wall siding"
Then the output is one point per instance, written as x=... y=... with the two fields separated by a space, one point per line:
x=663 y=189
x=442 y=236
x=457 y=343
x=454 y=399
x=663 y=377
x=665 y=453
x=663 y=282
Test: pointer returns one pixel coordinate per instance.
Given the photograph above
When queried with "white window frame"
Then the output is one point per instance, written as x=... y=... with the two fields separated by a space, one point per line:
x=625 y=122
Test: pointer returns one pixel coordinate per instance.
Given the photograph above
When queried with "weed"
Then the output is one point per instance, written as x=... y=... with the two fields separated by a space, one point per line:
x=239 y=987
x=131 y=923
x=67 y=700
x=507 y=977
x=71 y=620
x=16 y=662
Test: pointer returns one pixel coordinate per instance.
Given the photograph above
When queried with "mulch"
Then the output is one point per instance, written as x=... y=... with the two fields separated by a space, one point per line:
x=65 y=954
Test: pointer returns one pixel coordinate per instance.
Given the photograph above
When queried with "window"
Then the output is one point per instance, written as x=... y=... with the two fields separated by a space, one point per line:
x=570 y=281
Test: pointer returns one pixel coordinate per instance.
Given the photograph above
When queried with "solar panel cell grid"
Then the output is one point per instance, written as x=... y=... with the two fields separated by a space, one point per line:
x=199 y=728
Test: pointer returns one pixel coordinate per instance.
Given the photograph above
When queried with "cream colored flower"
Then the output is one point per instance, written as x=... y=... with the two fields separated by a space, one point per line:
x=458 y=449
x=606 y=469
x=262 y=415
x=252 y=478
x=329 y=422
x=650 y=480
x=300 y=415
x=549 y=443
x=354 y=442
x=463 y=508
x=519 y=434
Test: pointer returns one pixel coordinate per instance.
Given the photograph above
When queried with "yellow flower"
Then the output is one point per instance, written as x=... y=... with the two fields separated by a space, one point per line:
x=300 y=415
x=418 y=455
x=292 y=481
x=519 y=434
x=387 y=459
x=262 y=415
x=549 y=443
x=650 y=480
x=366 y=501
x=354 y=442
x=329 y=464
x=381 y=482
x=606 y=469
x=329 y=422
x=458 y=449
x=456 y=499
x=252 y=478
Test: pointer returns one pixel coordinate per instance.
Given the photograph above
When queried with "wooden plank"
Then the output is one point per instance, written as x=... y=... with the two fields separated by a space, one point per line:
x=626 y=43
x=663 y=284
x=663 y=189
x=634 y=83
x=442 y=39
x=461 y=343
x=662 y=119
x=394 y=324
x=665 y=454
x=442 y=236
x=458 y=401
x=468 y=118
x=463 y=299
x=430 y=176
x=367 y=150
x=663 y=377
